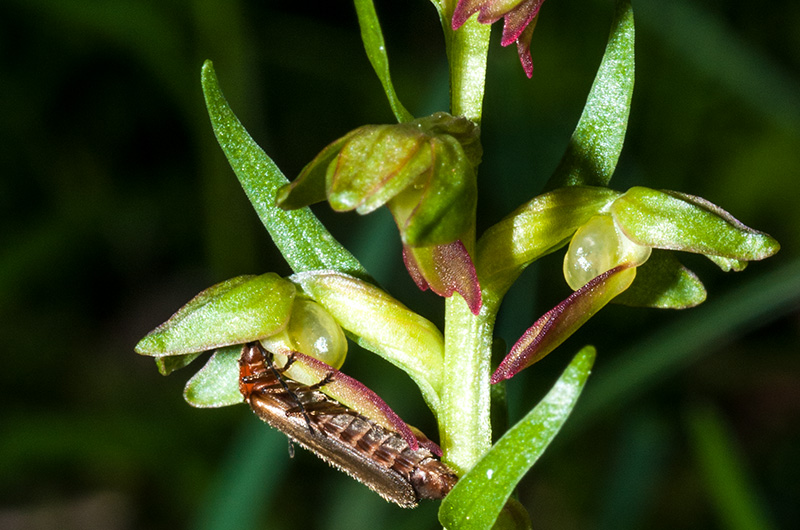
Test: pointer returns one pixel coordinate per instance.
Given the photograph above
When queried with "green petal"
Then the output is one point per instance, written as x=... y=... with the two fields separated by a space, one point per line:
x=535 y=229
x=235 y=311
x=301 y=238
x=479 y=496
x=595 y=146
x=381 y=324
x=676 y=221
x=664 y=283
x=217 y=383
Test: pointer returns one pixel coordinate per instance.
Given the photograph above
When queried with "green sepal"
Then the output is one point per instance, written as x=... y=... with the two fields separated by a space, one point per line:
x=235 y=311
x=381 y=324
x=477 y=499
x=594 y=148
x=309 y=187
x=664 y=283
x=542 y=225
x=217 y=383
x=377 y=163
x=676 y=221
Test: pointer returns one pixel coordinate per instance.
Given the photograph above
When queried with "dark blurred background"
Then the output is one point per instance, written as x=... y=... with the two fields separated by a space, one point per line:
x=117 y=206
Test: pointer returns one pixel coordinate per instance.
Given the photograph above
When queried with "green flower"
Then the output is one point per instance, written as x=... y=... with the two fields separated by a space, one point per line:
x=614 y=239
x=424 y=172
x=306 y=313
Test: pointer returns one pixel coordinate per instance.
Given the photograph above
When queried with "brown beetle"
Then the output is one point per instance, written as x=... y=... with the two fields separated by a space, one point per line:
x=377 y=457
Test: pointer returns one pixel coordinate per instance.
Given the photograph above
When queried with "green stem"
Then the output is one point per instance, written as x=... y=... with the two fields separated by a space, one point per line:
x=464 y=421
x=467 y=49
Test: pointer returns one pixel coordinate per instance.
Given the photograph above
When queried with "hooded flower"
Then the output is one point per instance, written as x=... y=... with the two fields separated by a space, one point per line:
x=614 y=239
x=279 y=313
x=520 y=20
x=424 y=172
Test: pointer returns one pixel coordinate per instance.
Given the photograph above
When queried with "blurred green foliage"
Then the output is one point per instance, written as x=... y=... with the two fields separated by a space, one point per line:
x=118 y=206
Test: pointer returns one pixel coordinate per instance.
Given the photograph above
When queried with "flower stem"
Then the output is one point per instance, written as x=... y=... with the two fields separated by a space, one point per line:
x=467 y=49
x=464 y=422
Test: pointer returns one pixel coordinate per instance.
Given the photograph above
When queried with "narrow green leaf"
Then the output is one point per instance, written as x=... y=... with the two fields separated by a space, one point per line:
x=479 y=496
x=298 y=234
x=664 y=283
x=677 y=221
x=372 y=36
x=595 y=146
x=217 y=383
x=235 y=311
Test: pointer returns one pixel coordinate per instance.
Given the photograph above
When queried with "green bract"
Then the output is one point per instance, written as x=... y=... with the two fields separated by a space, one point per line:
x=422 y=170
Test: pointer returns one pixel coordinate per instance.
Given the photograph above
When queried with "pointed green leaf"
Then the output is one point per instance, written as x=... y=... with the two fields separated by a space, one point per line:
x=298 y=234
x=381 y=324
x=217 y=383
x=372 y=36
x=595 y=146
x=235 y=311
x=664 y=283
x=677 y=221
x=479 y=496
x=535 y=229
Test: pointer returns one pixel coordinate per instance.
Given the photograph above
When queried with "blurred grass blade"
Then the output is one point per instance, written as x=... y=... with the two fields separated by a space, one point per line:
x=372 y=36
x=255 y=461
x=732 y=494
x=304 y=242
x=596 y=144
x=480 y=495
x=695 y=36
